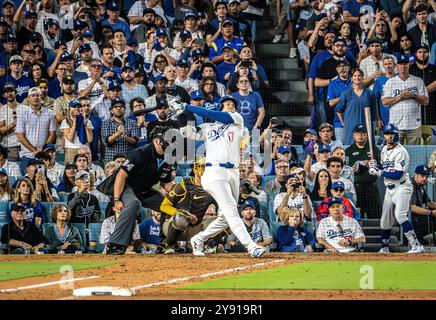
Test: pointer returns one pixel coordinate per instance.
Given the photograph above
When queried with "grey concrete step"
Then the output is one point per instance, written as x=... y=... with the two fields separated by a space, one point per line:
x=290 y=74
x=280 y=63
x=377 y=239
x=291 y=97
x=375 y=231
x=375 y=247
x=296 y=121
x=266 y=22
x=273 y=50
x=286 y=109
x=288 y=85
x=370 y=222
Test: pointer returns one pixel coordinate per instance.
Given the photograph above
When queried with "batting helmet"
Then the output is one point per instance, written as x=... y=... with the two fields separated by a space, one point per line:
x=225 y=98
x=391 y=128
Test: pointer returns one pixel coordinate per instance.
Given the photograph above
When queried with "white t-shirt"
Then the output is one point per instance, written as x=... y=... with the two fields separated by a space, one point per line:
x=76 y=143
x=296 y=203
x=7 y=115
x=96 y=94
x=188 y=84
x=328 y=230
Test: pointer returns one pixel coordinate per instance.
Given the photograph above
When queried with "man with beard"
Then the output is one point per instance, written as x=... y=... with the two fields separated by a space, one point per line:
x=172 y=89
x=45 y=12
x=163 y=119
x=244 y=25
x=139 y=30
x=427 y=73
x=160 y=84
x=328 y=71
x=110 y=71
x=129 y=88
x=30 y=20
x=119 y=134
x=227 y=39
x=424 y=33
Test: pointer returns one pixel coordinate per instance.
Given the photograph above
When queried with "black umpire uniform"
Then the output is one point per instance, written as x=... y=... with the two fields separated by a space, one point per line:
x=145 y=168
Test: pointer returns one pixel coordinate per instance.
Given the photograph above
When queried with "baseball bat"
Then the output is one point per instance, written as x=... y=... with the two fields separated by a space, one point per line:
x=369 y=129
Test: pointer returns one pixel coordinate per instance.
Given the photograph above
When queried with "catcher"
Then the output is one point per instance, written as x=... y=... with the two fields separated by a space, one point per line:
x=187 y=204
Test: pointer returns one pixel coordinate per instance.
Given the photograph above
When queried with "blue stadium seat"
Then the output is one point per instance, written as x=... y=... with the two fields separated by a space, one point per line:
x=63 y=197
x=143 y=213
x=264 y=211
x=103 y=206
x=4 y=209
x=266 y=179
x=94 y=236
x=3 y=247
x=273 y=224
x=47 y=206
x=82 y=230
x=45 y=227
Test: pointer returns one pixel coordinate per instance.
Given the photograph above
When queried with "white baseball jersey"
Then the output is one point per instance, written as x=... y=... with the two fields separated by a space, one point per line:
x=222 y=141
x=332 y=231
x=394 y=159
x=296 y=203
x=406 y=114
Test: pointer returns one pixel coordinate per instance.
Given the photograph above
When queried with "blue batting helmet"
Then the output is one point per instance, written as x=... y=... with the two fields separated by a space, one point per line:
x=225 y=98
x=391 y=128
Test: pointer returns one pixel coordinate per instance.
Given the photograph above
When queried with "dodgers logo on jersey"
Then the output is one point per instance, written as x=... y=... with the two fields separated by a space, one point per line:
x=214 y=135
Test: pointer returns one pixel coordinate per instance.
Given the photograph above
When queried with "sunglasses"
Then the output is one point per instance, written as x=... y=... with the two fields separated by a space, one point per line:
x=339 y=189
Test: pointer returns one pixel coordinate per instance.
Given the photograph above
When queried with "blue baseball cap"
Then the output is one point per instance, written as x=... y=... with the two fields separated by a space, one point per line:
x=84 y=47
x=403 y=58
x=338 y=184
x=113 y=6
x=183 y=62
x=87 y=33
x=226 y=22
x=324 y=148
x=248 y=203
x=49 y=147
x=422 y=169
x=17 y=207
x=113 y=85
x=334 y=200
x=359 y=128
x=160 y=77
x=340 y=39
x=30 y=14
x=189 y=14
x=185 y=34
x=201 y=14
x=117 y=101
x=197 y=94
x=74 y=103
x=3 y=171
x=284 y=149
x=58 y=44
x=66 y=56
x=161 y=32
x=127 y=67
x=79 y=24
x=198 y=52
x=132 y=41
x=311 y=131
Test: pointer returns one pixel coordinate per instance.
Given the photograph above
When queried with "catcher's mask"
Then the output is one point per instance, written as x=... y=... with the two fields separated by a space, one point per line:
x=199 y=165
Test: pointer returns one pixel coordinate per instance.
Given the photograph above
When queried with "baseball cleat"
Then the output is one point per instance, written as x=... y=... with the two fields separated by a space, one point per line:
x=258 y=252
x=197 y=247
x=384 y=250
x=417 y=249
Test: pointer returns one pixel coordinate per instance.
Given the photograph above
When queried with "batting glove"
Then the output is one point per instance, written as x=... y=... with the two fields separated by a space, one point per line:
x=373 y=164
x=375 y=172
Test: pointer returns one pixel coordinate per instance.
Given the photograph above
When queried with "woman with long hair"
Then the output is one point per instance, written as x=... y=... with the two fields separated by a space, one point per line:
x=36 y=72
x=293 y=236
x=352 y=45
x=405 y=45
x=62 y=236
x=323 y=184
x=6 y=191
x=68 y=179
x=159 y=64
x=208 y=86
x=256 y=181
x=26 y=196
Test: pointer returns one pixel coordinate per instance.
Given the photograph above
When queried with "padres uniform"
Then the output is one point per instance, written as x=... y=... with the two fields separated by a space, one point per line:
x=188 y=196
x=221 y=177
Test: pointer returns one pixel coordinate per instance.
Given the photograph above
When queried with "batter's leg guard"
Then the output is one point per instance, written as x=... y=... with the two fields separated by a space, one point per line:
x=410 y=233
x=385 y=235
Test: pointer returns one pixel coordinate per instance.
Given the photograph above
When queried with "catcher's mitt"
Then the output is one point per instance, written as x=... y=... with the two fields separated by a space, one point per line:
x=181 y=219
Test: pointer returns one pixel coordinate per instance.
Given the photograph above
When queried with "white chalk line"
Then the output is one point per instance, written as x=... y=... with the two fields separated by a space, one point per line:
x=206 y=275
x=47 y=284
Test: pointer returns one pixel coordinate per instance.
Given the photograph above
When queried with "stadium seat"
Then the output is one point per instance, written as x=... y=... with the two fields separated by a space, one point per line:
x=3 y=247
x=82 y=230
x=45 y=227
x=143 y=213
x=265 y=180
x=264 y=211
x=103 y=206
x=4 y=209
x=94 y=236
x=47 y=206
x=63 y=196
x=273 y=224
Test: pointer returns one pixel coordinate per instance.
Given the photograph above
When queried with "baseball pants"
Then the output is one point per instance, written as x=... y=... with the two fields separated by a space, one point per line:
x=132 y=205
x=396 y=205
x=223 y=185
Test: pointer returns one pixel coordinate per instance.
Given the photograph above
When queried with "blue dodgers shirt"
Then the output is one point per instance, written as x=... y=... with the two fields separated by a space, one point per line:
x=378 y=91
x=222 y=69
x=216 y=46
x=355 y=7
x=334 y=91
x=149 y=231
x=248 y=107
x=22 y=85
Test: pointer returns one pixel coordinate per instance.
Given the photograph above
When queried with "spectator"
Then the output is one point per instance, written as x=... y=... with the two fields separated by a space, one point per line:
x=352 y=101
x=54 y=169
x=94 y=87
x=294 y=198
x=103 y=108
x=322 y=155
x=247 y=192
x=247 y=55
x=63 y=237
x=108 y=227
x=161 y=95
x=278 y=184
x=379 y=29
x=54 y=86
x=256 y=227
x=177 y=90
x=422 y=208
x=405 y=94
x=6 y=192
x=209 y=88
x=243 y=68
x=120 y=135
x=113 y=20
x=256 y=181
x=339 y=233
x=110 y=168
x=96 y=171
x=142 y=120
x=35 y=128
x=22 y=84
x=208 y=69
x=345 y=31
x=365 y=184
x=294 y=236
x=76 y=129
x=325 y=133
x=149 y=230
x=162 y=120
x=182 y=79
x=8 y=121
x=405 y=45
x=335 y=166
x=36 y=172
x=68 y=179
x=110 y=70
x=353 y=9
x=189 y=25
x=389 y=66
x=84 y=206
x=36 y=71
x=21 y=236
x=337 y=191
x=423 y=27
x=322 y=186
x=25 y=196
x=141 y=24
x=251 y=106
x=347 y=171
x=227 y=39
x=129 y=88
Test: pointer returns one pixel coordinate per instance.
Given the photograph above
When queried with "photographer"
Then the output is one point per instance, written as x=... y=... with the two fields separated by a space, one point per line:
x=243 y=68
x=294 y=198
x=181 y=40
x=247 y=192
x=198 y=57
x=77 y=130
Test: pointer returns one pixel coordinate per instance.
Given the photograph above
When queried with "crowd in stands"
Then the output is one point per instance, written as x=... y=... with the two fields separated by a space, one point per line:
x=84 y=83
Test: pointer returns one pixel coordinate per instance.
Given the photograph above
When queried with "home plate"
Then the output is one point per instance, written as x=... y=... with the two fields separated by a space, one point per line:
x=103 y=291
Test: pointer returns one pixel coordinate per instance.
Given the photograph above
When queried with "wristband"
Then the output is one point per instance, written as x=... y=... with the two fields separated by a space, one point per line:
x=116 y=200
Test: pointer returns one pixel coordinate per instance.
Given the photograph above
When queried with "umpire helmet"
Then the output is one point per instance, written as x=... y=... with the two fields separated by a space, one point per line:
x=224 y=99
x=391 y=128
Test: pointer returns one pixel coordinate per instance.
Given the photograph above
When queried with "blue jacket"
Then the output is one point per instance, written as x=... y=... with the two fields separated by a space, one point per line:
x=288 y=236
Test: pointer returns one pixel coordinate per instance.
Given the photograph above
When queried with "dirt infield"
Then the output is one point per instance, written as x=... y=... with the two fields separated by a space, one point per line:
x=142 y=270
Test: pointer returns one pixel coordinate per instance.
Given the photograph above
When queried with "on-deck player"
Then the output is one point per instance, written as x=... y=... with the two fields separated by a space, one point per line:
x=394 y=163
x=221 y=176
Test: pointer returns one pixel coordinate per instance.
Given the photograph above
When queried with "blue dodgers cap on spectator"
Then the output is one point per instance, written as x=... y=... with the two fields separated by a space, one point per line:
x=201 y=14
x=161 y=32
x=324 y=148
x=160 y=77
x=292 y=175
x=311 y=131
x=338 y=184
x=359 y=128
x=36 y=36
x=33 y=162
x=30 y=14
x=113 y=85
x=227 y=22
x=148 y=10
x=58 y=44
x=198 y=52
x=113 y=6
x=227 y=46
x=8 y=2
x=116 y=101
x=197 y=94
x=334 y=200
x=185 y=34
x=49 y=147
x=423 y=169
x=127 y=67
x=17 y=207
x=220 y=2
x=66 y=56
x=84 y=47
x=70 y=164
x=403 y=58
x=189 y=14
x=284 y=149
x=132 y=42
x=79 y=24
x=340 y=39
x=183 y=62
x=87 y=33
x=3 y=171
x=11 y=36
x=248 y=203
x=74 y=103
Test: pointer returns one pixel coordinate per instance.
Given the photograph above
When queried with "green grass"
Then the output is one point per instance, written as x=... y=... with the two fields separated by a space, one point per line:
x=19 y=270
x=388 y=275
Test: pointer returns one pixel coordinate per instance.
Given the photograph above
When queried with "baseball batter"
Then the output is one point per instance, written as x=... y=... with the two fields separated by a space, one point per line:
x=394 y=163
x=222 y=140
